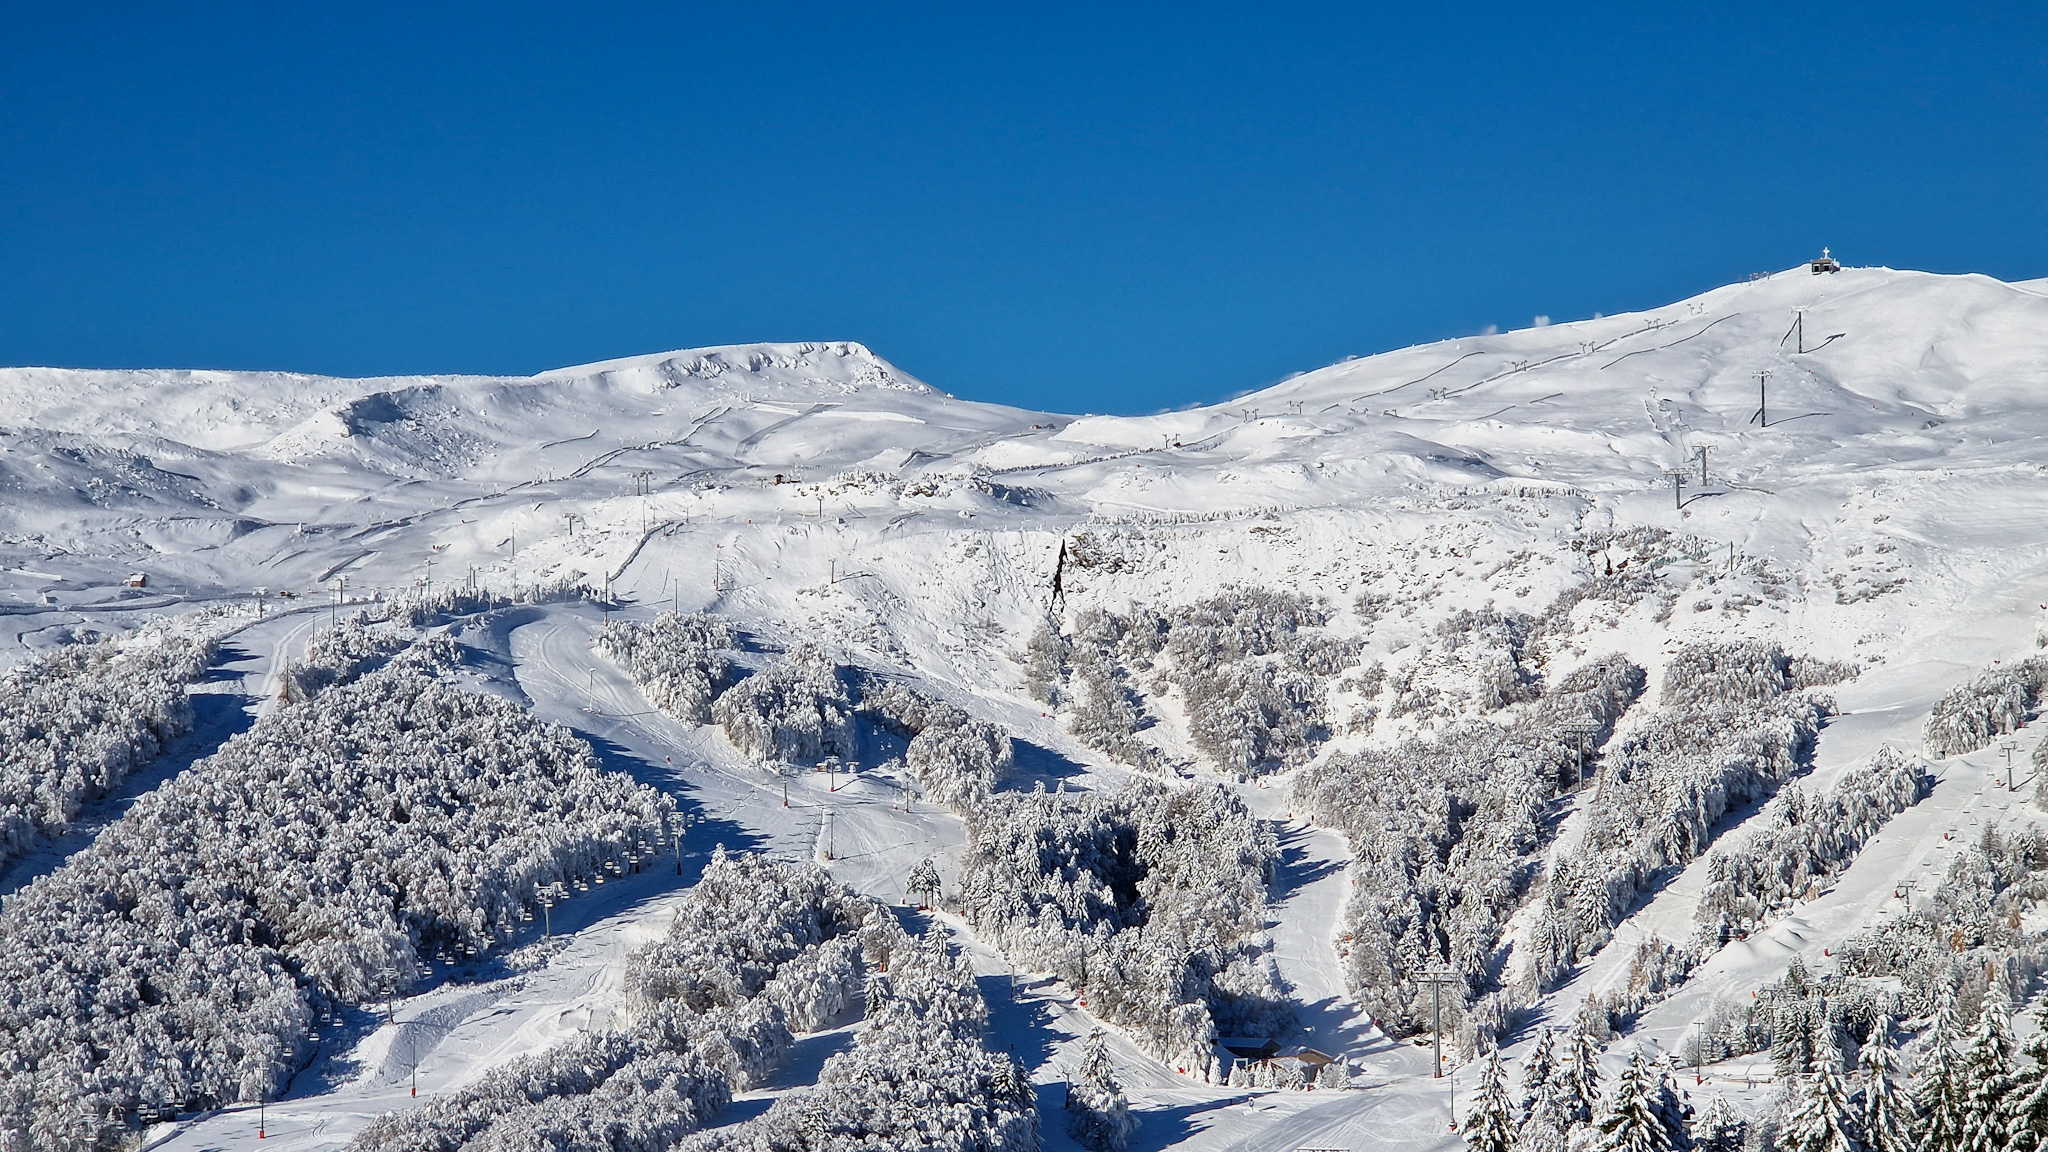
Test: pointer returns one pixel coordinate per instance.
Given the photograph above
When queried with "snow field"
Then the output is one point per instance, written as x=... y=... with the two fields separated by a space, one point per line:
x=1885 y=517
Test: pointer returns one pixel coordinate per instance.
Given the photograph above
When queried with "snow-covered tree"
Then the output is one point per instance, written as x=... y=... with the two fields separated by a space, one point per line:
x=757 y=948
x=1887 y=1117
x=1798 y=1040
x=957 y=760
x=1825 y=1119
x=1251 y=666
x=1445 y=835
x=1045 y=665
x=679 y=660
x=1719 y=1127
x=1805 y=841
x=1993 y=704
x=1547 y=1118
x=1539 y=1068
x=1724 y=737
x=1101 y=1117
x=1490 y=1122
x=312 y=861
x=77 y=721
x=1938 y=1095
x=1673 y=1108
x=1578 y=1080
x=1153 y=900
x=2026 y=1126
x=798 y=710
x=924 y=882
x=1636 y=1118
x=1989 y=1085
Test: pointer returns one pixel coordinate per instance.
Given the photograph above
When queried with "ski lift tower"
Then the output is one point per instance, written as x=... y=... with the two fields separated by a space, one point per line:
x=1583 y=733
x=1436 y=978
x=1825 y=263
x=1678 y=477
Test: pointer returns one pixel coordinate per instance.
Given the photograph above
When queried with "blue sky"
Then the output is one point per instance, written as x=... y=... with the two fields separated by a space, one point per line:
x=1076 y=208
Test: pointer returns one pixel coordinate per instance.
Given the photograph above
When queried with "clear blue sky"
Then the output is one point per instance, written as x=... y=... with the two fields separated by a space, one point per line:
x=1084 y=208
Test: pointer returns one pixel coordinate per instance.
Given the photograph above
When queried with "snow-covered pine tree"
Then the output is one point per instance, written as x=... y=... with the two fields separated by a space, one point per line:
x=1988 y=1082
x=1632 y=1122
x=1490 y=1125
x=1795 y=1047
x=1008 y=1081
x=1719 y=1127
x=924 y=882
x=1101 y=1116
x=877 y=994
x=1543 y=1122
x=1825 y=1118
x=2026 y=1122
x=1538 y=1068
x=2026 y=1109
x=1887 y=1108
x=1938 y=1096
x=1671 y=1107
x=1578 y=1081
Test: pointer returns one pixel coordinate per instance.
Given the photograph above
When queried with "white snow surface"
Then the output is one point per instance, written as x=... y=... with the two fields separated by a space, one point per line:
x=1895 y=500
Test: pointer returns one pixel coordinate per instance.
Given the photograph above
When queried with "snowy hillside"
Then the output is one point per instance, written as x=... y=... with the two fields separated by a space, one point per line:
x=1589 y=666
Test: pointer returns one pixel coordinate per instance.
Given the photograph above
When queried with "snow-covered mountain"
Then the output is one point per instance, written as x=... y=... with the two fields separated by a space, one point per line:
x=1915 y=423
x=1852 y=467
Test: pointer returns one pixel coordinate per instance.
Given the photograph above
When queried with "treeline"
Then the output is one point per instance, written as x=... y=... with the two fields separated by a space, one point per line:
x=804 y=707
x=1151 y=901
x=1993 y=704
x=78 y=721
x=1804 y=841
x=1842 y=1088
x=1445 y=836
x=1251 y=668
x=368 y=637
x=759 y=952
x=309 y=863
x=954 y=758
x=1736 y=724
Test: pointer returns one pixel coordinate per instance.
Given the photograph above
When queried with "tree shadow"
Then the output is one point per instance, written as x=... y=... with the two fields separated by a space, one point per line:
x=1157 y=1127
x=1296 y=870
x=1037 y=764
x=703 y=831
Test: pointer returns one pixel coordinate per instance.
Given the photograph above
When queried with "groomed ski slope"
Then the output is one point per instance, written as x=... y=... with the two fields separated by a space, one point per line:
x=1888 y=514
